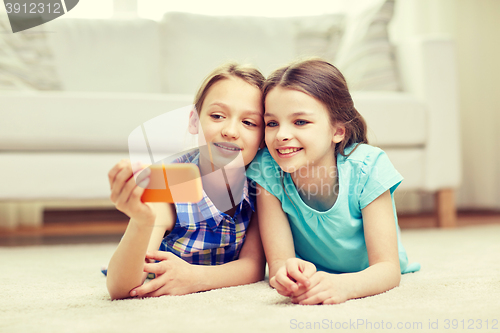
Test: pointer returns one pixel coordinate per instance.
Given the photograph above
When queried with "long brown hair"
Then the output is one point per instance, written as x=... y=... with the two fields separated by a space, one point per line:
x=247 y=73
x=323 y=81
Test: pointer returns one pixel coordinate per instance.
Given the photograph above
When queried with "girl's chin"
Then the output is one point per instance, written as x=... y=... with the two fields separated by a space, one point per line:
x=284 y=164
x=287 y=168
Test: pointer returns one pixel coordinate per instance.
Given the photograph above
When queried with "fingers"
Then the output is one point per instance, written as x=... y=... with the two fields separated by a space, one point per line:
x=117 y=177
x=117 y=168
x=156 y=268
x=142 y=176
x=314 y=297
x=332 y=300
x=158 y=255
x=323 y=290
x=114 y=171
x=147 y=288
x=298 y=299
x=281 y=289
x=123 y=171
x=308 y=269
x=134 y=188
x=283 y=282
x=307 y=293
x=125 y=192
x=301 y=290
x=156 y=293
x=300 y=271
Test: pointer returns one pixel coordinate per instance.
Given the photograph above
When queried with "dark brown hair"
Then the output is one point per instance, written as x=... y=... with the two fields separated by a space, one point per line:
x=247 y=73
x=323 y=81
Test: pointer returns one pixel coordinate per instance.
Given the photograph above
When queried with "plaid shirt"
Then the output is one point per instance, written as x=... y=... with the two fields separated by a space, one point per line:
x=202 y=234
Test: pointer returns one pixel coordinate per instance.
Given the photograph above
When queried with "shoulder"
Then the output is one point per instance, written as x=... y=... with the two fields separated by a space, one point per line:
x=365 y=157
x=361 y=153
x=371 y=174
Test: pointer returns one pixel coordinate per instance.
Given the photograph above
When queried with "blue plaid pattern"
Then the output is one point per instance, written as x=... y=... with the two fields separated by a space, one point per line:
x=202 y=234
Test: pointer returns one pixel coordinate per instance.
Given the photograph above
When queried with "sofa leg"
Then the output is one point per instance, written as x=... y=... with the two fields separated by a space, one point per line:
x=8 y=215
x=446 y=208
x=17 y=214
x=30 y=214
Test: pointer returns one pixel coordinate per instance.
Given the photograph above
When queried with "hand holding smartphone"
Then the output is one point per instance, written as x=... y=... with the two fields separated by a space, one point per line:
x=173 y=183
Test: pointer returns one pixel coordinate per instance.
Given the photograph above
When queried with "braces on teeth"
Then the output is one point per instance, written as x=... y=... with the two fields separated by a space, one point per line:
x=228 y=148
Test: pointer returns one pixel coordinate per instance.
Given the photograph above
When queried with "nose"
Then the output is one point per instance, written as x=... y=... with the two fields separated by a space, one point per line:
x=230 y=130
x=283 y=133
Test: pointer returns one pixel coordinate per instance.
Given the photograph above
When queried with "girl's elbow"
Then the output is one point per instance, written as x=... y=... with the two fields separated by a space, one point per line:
x=116 y=294
x=257 y=271
x=115 y=291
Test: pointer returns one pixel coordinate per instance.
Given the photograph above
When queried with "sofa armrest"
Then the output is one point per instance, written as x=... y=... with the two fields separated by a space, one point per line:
x=428 y=70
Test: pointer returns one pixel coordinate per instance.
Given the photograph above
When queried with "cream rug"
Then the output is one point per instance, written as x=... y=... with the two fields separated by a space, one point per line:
x=60 y=289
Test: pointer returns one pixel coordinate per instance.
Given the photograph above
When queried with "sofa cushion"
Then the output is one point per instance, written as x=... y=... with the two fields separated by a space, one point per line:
x=410 y=163
x=318 y=35
x=70 y=121
x=366 y=57
x=193 y=45
x=26 y=61
x=106 y=54
x=394 y=119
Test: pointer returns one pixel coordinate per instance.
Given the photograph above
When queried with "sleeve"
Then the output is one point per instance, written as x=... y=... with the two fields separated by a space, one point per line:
x=265 y=171
x=377 y=176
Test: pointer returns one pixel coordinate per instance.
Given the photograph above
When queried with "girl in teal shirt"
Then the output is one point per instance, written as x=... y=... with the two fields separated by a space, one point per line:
x=325 y=196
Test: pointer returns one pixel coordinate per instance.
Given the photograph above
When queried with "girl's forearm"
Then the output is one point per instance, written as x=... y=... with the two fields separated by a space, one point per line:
x=125 y=270
x=234 y=273
x=374 y=280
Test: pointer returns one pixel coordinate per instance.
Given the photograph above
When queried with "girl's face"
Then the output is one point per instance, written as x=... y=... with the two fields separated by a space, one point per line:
x=231 y=121
x=298 y=130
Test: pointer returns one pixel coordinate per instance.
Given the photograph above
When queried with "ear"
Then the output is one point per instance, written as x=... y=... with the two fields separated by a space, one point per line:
x=338 y=133
x=194 y=122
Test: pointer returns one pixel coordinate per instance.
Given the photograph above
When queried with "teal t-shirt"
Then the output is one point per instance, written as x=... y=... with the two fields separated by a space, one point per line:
x=334 y=240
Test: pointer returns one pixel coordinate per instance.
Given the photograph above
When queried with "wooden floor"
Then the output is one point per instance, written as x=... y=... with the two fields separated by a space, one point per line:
x=101 y=226
x=70 y=227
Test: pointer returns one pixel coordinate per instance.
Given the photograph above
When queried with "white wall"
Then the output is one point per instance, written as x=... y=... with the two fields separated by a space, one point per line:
x=475 y=26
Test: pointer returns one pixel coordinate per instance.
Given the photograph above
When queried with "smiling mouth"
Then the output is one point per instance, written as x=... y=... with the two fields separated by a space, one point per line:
x=288 y=150
x=227 y=146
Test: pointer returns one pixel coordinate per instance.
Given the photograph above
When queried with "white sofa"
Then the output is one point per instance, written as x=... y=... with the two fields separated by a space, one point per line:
x=116 y=74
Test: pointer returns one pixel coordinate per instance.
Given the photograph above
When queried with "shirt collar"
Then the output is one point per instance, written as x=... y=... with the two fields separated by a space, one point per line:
x=205 y=205
x=211 y=213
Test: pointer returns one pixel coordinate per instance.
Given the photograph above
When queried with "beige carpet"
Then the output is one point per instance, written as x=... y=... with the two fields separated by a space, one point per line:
x=60 y=289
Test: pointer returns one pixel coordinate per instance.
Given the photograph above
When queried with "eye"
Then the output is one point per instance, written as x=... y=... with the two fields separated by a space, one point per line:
x=301 y=122
x=216 y=116
x=249 y=123
x=272 y=124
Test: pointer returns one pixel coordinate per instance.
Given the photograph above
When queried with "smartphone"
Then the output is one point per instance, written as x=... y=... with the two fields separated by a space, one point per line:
x=173 y=183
